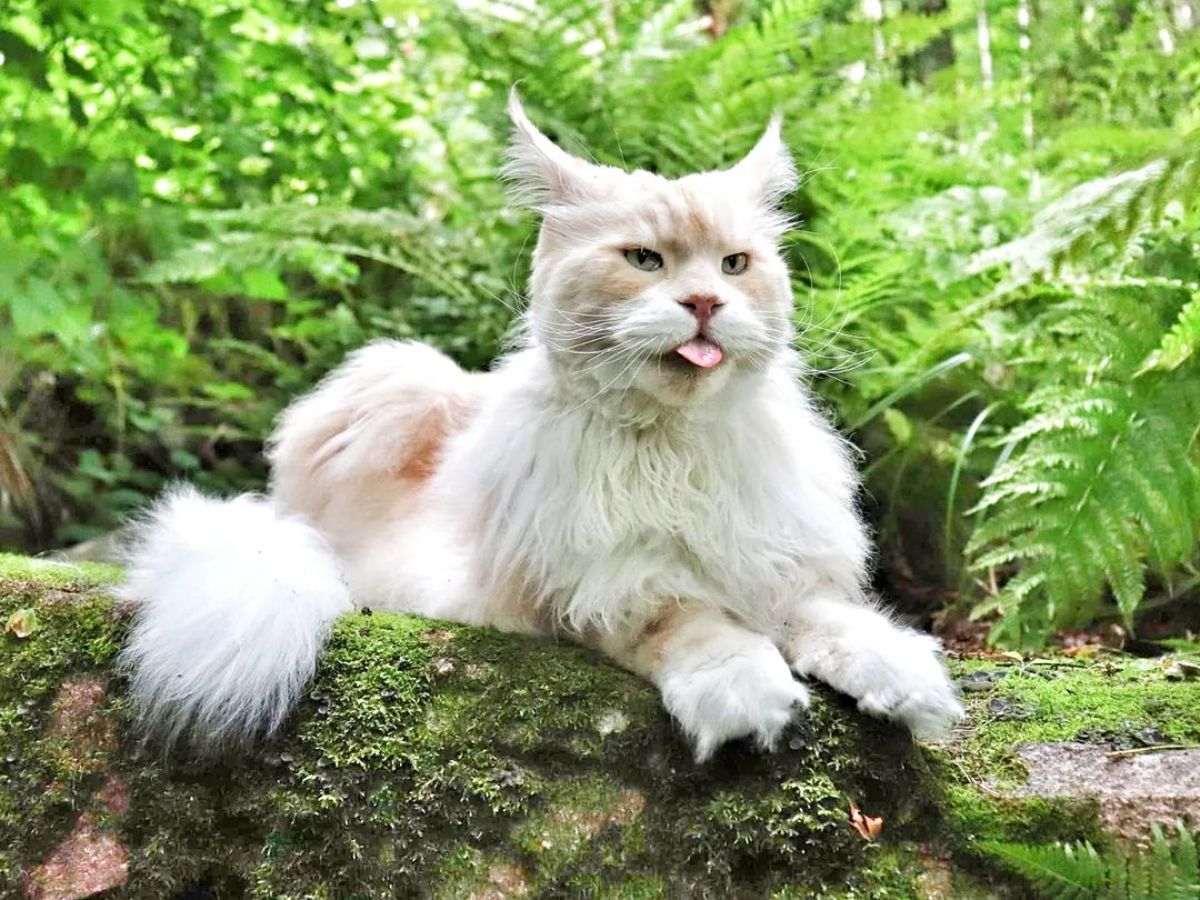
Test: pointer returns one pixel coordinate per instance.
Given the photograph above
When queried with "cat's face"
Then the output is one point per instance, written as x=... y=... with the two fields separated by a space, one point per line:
x=640 y=282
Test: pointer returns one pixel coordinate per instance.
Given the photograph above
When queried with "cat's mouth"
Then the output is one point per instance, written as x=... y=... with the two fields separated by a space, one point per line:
x=701 y=352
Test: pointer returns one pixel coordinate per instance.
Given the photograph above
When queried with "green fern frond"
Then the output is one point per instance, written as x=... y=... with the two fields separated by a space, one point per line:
x=1111 y=209
x=1105 y=482
x=1181 y=342
x=1066 y=871
x=321 y=241
x=1167 y=871
x=1102 y=483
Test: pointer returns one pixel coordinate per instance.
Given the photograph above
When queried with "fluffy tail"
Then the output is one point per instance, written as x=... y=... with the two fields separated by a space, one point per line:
x=232 y=602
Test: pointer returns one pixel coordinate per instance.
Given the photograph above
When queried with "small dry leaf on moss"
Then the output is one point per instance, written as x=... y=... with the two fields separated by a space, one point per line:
x=22 y=623
x=867 y=827
x=1083 y=651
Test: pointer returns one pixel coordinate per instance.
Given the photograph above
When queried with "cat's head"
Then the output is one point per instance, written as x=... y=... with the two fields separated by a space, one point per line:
x=669 y=287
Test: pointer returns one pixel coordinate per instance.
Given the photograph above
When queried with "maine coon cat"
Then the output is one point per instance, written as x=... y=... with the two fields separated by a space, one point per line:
x=646 y=475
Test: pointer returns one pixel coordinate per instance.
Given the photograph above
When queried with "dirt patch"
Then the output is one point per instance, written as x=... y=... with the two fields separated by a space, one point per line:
x=114 y=796
x=87 y=862
x=79 y=721
x=627 y=808
x=504 y=881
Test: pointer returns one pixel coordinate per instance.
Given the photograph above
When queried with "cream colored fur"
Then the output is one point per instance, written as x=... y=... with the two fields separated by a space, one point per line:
x=698 y=525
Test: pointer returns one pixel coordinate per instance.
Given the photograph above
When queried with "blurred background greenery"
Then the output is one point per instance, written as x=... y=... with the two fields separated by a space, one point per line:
x=205 y=205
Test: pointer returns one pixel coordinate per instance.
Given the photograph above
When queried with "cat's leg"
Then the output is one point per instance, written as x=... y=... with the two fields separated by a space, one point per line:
x=718 y=679
x=892 y=671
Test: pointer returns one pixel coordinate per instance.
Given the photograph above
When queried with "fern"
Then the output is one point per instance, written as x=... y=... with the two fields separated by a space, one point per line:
x=1104 y=479
x=317 y=240
x=1180 y=343
x=1111 y=209
x=1100 y=481
x=1168 y=871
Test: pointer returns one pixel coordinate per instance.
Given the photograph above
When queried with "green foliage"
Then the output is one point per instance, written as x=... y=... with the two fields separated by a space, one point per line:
x=1099 y=479
x=1168 y=871
x=207 y=204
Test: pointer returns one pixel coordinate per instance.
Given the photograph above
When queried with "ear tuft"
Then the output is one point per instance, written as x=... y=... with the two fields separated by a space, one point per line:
x=542 y=173
x=768 y=168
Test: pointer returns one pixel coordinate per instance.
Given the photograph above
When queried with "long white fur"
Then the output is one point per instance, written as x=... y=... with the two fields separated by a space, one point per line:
x=235 y=599
x=699 y=527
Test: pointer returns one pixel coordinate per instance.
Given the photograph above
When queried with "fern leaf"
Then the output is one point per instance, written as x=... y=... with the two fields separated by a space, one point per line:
x=1167 y=871
x=1103 y=481
x=1065 y=872
x=1180 y=343
x=1115 y=208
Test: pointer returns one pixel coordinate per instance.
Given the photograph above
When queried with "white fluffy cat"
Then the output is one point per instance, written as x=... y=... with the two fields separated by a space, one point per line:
x=645 y=476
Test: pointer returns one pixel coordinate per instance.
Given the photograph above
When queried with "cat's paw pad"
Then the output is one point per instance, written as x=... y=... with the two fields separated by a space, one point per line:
x=746 y=691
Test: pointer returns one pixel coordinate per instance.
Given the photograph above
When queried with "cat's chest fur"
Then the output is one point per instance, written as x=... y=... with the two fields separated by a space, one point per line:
x=667 y=485
x=601 y=515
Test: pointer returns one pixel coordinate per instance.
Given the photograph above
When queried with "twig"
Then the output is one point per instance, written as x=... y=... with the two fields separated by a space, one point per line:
x=975 y=782
x=1138 y=751
x=1069 y=663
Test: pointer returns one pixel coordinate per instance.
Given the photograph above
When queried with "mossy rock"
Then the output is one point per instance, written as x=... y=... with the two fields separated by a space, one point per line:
x=432 y=759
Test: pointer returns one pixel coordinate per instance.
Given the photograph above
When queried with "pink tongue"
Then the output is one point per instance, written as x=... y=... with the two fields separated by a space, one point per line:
x=700 y=352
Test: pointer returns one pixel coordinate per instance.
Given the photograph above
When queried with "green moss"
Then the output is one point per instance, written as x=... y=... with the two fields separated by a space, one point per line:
x=1183 y=647
x=1112 y=698
x=48 y=573
x=887 y=873
x=633 y=887
x=1068 y=700
x=44 y=776
x=977 y=816
x=581 y=818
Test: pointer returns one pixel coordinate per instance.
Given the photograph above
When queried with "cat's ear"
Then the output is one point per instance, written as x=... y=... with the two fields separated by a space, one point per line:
x=768 y=170
x=542 y=173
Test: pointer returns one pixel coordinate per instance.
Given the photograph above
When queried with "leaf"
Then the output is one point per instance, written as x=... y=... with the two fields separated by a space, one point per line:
x=37 y=309
x=22 y=623
x=228 y=390
x=1167 y=870
x=867 y=827
x=263 y=284
x=1179 y=344
x=1113 y=209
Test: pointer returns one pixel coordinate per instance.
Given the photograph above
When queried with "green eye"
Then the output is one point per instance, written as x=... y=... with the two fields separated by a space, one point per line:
x=735 y=263
x=646 y=260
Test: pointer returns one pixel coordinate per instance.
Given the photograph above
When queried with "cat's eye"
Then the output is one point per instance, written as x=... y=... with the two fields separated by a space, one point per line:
x=646 y=260
x=735 y=263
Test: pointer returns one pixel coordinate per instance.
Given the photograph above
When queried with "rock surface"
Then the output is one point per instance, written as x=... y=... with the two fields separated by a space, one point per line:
x=436 y=760
x=1133 y=789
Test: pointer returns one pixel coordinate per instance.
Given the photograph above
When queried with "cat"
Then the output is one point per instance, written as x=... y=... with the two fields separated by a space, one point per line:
x=645 y=475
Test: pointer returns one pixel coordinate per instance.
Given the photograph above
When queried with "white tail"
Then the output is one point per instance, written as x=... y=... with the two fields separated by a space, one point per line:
x=233 y=600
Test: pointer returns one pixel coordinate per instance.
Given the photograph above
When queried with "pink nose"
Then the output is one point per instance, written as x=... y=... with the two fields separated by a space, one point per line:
x=702 y=306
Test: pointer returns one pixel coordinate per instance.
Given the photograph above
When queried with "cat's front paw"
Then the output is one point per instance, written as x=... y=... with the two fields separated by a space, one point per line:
x=894 y=674
x=730 y=691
